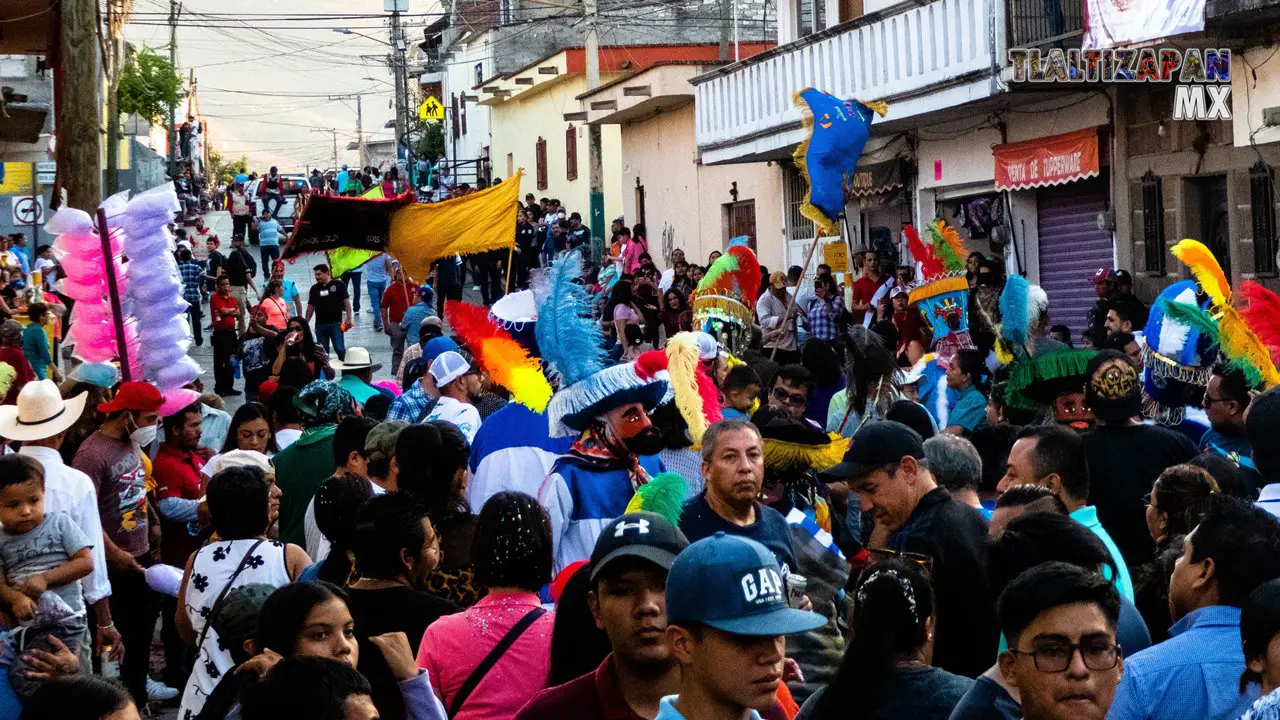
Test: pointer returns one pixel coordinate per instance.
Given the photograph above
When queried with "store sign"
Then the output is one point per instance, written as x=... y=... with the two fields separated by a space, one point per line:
x=836 y=255
x=1047 y=161
x=875 y=178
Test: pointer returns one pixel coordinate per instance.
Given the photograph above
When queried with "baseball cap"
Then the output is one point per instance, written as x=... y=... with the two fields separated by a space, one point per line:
x=436 y=346
x=645 y=535
x=447 y=367
x=381 y=441
x=1122 y=277
x=897 y=290
x=1102 y=275
x=878 y=444
x=426 y=293
x=137 y=396
x=733 y=584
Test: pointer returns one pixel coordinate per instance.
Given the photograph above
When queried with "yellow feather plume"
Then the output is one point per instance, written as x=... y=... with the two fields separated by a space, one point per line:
x=779 y=454
x=1204 y=266
x=682 y=366
x=1239 y=341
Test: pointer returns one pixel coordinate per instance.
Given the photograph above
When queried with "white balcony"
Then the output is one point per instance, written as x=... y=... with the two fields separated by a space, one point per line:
x=917 y=56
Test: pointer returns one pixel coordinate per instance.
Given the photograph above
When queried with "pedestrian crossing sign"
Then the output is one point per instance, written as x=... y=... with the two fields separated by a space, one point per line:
x=431 y=109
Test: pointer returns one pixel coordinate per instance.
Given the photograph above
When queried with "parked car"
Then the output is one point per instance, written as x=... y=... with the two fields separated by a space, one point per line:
x=294 y=185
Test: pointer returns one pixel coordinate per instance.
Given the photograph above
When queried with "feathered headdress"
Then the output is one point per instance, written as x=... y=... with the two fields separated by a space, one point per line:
x=1240 y=345
x=573 y=344
x=1039 y=379
x=1176 y=355
x=941 y=260
x=506 y=361
x=724 y=301
x=696 y=395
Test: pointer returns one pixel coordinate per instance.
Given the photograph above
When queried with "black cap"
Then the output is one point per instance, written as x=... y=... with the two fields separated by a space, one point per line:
x=878 y=444
x=1122 y=277
x=644 y=535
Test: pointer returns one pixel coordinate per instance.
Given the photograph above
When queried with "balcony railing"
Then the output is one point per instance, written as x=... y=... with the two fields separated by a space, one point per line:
x=902 y=52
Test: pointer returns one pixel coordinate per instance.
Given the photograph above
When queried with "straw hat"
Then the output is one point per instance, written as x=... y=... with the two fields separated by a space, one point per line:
x=40 y=413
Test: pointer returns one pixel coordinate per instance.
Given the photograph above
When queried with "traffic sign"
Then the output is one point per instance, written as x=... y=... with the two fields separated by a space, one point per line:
x=46 y=178
x=46 y=166
x=28 y=210
x=431 y=109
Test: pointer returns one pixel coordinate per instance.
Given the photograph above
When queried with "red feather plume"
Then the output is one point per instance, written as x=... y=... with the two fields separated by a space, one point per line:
x=1261 y=312
x=710 y=396
x=748 y=272
x=471 y=324
x=930 y=266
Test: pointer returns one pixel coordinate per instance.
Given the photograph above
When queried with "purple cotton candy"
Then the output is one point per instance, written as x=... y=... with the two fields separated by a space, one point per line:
x=183 y=372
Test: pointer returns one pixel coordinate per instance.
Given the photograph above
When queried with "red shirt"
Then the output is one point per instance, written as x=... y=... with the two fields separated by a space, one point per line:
x=176 y=472
x=864 y=288
x=398 y=297
x=216 y=303
x=593 y=696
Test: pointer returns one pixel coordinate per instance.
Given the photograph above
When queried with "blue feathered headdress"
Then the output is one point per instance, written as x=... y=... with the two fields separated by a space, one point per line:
x=572 y=344
x=1177 y=355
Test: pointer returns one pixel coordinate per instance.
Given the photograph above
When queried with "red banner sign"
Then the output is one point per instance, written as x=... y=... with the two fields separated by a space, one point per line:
x=1047 y=161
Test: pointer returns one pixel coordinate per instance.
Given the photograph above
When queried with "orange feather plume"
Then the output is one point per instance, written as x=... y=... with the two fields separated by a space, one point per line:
x=506 y=360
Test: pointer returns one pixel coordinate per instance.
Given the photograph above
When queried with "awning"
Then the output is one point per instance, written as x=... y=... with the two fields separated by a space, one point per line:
x=1047 y=161
x=874 y=178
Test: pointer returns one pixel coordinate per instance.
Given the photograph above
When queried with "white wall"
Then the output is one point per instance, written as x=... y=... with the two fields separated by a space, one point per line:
x=460 y=78
x=1249 y=95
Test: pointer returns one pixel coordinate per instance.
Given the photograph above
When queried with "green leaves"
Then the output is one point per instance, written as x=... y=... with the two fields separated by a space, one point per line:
x=149 y=84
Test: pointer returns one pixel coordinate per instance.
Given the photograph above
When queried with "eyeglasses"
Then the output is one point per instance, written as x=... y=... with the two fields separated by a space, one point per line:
x=924 y=561
x=1056 y=658
x=787 y=398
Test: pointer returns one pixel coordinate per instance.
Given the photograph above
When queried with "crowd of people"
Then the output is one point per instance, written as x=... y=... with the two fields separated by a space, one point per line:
x=710 y=492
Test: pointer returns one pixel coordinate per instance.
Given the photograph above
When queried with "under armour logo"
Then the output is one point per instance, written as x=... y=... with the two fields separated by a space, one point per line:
x=641 y=526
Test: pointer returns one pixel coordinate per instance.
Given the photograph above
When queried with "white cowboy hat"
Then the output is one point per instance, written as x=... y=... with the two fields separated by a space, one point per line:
x=40 y=413
x=357 y=359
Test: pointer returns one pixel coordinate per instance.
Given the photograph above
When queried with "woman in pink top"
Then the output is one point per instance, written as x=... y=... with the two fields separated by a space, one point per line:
x=512 y=558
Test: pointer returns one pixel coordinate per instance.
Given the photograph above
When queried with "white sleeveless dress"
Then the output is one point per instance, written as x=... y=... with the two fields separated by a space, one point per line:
x=213 y=567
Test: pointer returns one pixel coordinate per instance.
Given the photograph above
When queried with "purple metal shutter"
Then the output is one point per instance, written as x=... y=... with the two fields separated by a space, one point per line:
x=1072 y=248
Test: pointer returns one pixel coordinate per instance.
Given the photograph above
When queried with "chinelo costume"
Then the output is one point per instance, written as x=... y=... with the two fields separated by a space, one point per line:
x=593 y=482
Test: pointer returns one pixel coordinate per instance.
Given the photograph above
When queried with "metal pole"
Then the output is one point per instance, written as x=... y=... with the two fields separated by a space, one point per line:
x=335 y=150
x=117 y=313
x=397 y=66
x=35 y=227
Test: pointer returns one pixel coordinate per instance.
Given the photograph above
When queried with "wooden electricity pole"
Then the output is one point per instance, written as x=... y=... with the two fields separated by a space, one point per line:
x=79 y=128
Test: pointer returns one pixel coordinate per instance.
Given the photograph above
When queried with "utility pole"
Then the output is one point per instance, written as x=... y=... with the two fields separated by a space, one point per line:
x=595 y=167
x=397 y=67
x=173 y=107
x=79 y=146
x=360 y=130
x=724 y=30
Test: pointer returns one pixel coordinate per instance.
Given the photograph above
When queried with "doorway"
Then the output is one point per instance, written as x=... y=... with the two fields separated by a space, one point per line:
x=1207 y=214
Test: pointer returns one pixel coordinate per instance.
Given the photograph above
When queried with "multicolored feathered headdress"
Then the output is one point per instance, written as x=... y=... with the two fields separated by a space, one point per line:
x=572 y=344
x=1038 y=380
x=1176 y=357
x=1228 y=326
x=1021 y=304
x=507 y=362
x=942 y=292
x=724 y=302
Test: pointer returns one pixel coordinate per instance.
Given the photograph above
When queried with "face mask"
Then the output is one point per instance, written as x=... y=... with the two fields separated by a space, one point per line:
x=145 y=436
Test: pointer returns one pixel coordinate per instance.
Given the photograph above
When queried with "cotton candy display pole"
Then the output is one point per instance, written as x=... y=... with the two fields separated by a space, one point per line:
x=79 y=249
x=155 y=289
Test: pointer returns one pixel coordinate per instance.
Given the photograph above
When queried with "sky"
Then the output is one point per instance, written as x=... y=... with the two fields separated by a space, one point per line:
x=263 y=83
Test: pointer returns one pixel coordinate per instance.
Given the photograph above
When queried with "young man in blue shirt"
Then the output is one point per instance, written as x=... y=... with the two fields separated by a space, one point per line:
x=268 y=238
x=1195 y=674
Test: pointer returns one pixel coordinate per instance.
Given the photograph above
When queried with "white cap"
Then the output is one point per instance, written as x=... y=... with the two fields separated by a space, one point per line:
x=447 y=367
x=708 y=348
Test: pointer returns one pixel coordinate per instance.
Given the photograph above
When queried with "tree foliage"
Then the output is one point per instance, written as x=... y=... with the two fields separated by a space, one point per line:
x=149 y=84
x=224 y=172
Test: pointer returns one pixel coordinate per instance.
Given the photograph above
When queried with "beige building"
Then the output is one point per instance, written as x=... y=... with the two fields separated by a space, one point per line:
x=683 y=203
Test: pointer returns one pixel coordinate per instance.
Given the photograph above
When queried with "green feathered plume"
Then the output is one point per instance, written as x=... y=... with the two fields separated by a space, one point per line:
x=724 y=264
x=663 y=494
x=1200 y=320
x=946 y=253
x=1046 y=368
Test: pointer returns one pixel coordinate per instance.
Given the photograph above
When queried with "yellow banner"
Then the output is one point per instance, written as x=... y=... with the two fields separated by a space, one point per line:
x=16 y=179
x=484 y=220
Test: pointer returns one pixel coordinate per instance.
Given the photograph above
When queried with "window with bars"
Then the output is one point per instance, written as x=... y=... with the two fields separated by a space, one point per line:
x=479 y=74
x=798 y=227
x=1262 y=203
x=1153 y=223
x=540 y=159
x=571 y=153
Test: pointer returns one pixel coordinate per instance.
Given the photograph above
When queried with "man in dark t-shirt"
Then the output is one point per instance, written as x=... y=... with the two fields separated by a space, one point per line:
x=240 y=270
x=329 y=302
x=447 y=283
x=733 y=463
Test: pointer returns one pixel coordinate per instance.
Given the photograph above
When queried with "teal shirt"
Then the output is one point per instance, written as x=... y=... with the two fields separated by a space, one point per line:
x=35 y=345
x=969 y=411
x=269 y=234
x=1088 y=517
x=358 y=388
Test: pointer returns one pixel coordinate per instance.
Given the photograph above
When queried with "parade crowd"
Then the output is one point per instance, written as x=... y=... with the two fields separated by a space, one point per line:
x=896 y=492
